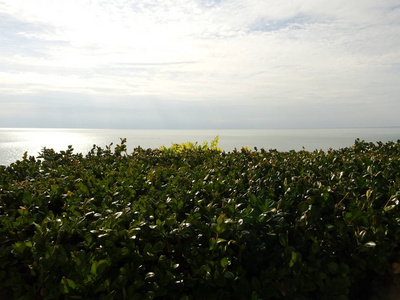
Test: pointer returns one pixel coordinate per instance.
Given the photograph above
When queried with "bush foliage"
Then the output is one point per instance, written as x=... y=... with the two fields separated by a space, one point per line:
x=194 y=222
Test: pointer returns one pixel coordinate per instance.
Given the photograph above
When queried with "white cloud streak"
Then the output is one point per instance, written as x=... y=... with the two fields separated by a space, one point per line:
x=283 y=54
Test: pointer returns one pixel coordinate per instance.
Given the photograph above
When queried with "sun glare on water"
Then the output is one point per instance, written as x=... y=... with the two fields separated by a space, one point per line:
x=55 y=139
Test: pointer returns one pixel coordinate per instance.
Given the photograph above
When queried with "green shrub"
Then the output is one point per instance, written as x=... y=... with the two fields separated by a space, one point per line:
x=194 y=222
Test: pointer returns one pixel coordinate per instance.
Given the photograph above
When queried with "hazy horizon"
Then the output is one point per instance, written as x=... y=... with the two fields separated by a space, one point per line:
x=194 y=129
x=199 y=64
x=14 y=142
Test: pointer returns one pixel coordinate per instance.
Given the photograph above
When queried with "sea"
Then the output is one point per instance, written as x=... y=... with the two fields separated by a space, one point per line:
x=15 y=141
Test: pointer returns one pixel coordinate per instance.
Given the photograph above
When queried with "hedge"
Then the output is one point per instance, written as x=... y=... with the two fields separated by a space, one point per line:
x=195 y=222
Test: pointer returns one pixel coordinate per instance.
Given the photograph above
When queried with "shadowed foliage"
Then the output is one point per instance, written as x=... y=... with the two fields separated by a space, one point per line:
x=194 y=222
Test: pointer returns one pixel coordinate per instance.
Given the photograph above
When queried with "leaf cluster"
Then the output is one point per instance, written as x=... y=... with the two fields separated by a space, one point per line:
x=193 y=222
x=189 y=146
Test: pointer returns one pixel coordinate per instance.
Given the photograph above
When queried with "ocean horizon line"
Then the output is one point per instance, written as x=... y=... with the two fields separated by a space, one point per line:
x=202 y=129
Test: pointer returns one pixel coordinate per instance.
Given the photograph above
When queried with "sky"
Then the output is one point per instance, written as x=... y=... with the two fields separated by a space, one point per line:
x=199 y=64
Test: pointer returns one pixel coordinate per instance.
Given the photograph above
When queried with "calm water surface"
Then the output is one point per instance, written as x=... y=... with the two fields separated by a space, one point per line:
x=15 y=141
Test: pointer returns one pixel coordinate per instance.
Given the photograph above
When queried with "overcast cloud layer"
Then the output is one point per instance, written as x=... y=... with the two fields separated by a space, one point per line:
x=199 y=63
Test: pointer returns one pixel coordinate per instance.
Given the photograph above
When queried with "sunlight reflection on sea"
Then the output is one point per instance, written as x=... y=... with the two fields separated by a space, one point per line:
x=15 y=141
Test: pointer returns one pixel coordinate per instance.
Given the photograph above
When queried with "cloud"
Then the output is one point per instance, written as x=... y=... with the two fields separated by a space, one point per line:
x=250 y=56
